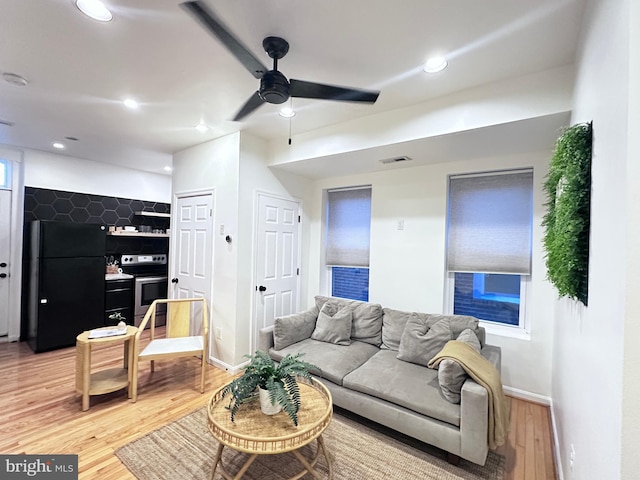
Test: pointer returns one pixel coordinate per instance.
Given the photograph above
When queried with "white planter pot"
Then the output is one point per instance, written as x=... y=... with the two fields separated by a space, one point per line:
x=265 y=403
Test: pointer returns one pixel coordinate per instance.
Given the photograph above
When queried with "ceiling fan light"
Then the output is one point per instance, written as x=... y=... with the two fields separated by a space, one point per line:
x=202 y=128
x=287 y=112
x=130 y=103
x=94 y=9
x=435 y=65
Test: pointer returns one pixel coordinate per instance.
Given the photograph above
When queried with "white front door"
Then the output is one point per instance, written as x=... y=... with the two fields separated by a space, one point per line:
x=276 y=260
x=5 y=251
x=193 y=247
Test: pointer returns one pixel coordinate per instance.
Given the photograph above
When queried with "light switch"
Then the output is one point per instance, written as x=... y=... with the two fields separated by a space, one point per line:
x=401 y=224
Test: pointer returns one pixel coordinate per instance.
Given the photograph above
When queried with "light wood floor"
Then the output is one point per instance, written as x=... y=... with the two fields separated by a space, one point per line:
x=40 y=412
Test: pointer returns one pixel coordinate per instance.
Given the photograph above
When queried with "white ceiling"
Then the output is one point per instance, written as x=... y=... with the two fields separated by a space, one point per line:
x=80 y=70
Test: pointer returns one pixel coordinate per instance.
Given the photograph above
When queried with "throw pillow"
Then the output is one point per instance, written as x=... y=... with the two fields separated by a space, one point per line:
x=451 y=375
x=294 y=328
x=333 y=325
x=421 y=340
x=366 y=325
x=393 y=324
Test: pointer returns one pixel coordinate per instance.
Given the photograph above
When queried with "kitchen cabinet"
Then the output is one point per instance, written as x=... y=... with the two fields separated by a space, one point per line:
x=119 y=298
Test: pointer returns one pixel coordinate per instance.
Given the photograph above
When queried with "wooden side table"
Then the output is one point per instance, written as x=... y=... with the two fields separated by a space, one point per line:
x=258 y=434
x=104 y=381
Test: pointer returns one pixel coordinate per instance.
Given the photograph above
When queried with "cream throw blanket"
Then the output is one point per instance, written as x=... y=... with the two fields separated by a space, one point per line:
x=484 y=373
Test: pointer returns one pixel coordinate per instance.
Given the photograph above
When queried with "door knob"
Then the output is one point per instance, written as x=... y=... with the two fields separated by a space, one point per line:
x=174 y=280
x=262 y=288
x=3 y=275
x=3 y=264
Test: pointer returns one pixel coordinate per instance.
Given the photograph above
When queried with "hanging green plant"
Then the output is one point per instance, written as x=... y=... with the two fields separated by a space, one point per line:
x=568 y=190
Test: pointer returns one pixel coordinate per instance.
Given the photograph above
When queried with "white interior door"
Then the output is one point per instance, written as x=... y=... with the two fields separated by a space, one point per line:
x=193 y=247
x=5 y=250
x=276 y=259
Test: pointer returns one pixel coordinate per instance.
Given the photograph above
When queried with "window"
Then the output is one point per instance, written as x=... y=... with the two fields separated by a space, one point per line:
x=5 y=174
x=489 y=245
x=347 y=242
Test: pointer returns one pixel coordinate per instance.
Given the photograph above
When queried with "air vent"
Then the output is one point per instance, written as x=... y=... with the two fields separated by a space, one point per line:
x=388 y=161
x=6 y=123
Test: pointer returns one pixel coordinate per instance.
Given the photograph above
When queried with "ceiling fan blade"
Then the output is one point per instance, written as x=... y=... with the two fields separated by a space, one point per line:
x=300 y=88
x=253 y=103
x=214 y=25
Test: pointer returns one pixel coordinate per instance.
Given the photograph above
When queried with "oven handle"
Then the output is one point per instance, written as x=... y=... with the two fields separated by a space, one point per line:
x=150 y=279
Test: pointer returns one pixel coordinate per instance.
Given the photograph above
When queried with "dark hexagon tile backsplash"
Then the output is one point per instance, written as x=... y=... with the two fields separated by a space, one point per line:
x=74 y=207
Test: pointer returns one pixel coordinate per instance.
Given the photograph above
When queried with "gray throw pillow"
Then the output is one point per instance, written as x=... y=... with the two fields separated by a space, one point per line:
x=451 y=375
x=294 y=328
x=393 y=323
x=333 y=325
x=366 y=325
x=421 y=340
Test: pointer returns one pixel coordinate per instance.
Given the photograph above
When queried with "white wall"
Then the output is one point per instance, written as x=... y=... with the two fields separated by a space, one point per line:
x=234 y=167
x=60 y=172
x=630 y=438
x=213 y=166
x=530 y=96
x=588 y=353
x=407 y=267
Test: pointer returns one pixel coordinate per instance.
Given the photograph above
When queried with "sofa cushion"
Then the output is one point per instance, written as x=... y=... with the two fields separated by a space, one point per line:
x=333 y=325
x=290 y=329
x=367 y=318
x=405 y=384
x=451 y=375
x=334 y=361
x=393 y=323
x=423 y=337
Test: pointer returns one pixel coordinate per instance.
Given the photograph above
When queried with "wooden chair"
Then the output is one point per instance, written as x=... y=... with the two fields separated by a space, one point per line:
x=179 y=340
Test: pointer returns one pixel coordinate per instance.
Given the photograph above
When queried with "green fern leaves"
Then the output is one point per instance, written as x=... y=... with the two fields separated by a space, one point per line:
x=280 y=380
x=568 y=191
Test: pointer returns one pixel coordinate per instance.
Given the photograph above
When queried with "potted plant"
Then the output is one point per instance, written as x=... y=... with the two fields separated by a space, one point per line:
x=118 y=319
x=278 y=382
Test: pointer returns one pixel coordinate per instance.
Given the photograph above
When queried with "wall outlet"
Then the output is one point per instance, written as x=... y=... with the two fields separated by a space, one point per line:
x=218 y=331
x=572 y=457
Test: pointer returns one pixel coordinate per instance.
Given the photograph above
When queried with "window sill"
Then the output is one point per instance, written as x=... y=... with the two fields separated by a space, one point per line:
x=506 y=330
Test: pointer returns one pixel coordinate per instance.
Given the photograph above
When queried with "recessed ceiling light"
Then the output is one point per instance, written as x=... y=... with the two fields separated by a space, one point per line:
x=202 y=128
x=94 y=9
x=435 y=65
x=287 y=112
x=168 y=168
x=130 y=103
x=58 y=145
x=15 y=79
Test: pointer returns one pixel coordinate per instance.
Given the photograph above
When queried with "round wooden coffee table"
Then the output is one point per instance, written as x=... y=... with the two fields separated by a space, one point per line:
x=258 y=434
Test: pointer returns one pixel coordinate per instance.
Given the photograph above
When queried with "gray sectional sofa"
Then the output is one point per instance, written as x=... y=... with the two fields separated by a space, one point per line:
x=373 y=360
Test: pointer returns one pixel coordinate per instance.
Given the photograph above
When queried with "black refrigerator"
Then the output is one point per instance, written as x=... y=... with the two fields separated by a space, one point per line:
x=66 y=282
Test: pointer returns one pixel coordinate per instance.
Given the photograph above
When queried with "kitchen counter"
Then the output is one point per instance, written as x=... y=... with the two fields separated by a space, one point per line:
x=117 y=276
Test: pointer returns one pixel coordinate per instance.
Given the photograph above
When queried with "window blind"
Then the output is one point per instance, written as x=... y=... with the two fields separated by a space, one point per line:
x=348 y=227
x=490 y=219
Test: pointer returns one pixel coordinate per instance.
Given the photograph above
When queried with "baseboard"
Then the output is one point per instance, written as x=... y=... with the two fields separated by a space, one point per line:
x=529 y=396
x=556 y=444
x=231 y=369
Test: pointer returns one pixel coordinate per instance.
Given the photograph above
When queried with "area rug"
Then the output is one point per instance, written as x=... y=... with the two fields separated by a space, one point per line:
x=185 y=450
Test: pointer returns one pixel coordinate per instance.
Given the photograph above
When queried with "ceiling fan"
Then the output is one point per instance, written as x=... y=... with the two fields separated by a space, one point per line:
x=274 y=86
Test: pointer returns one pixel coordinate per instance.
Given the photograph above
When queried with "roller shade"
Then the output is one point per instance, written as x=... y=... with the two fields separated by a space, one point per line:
x=348 y=227
x=490 y=219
